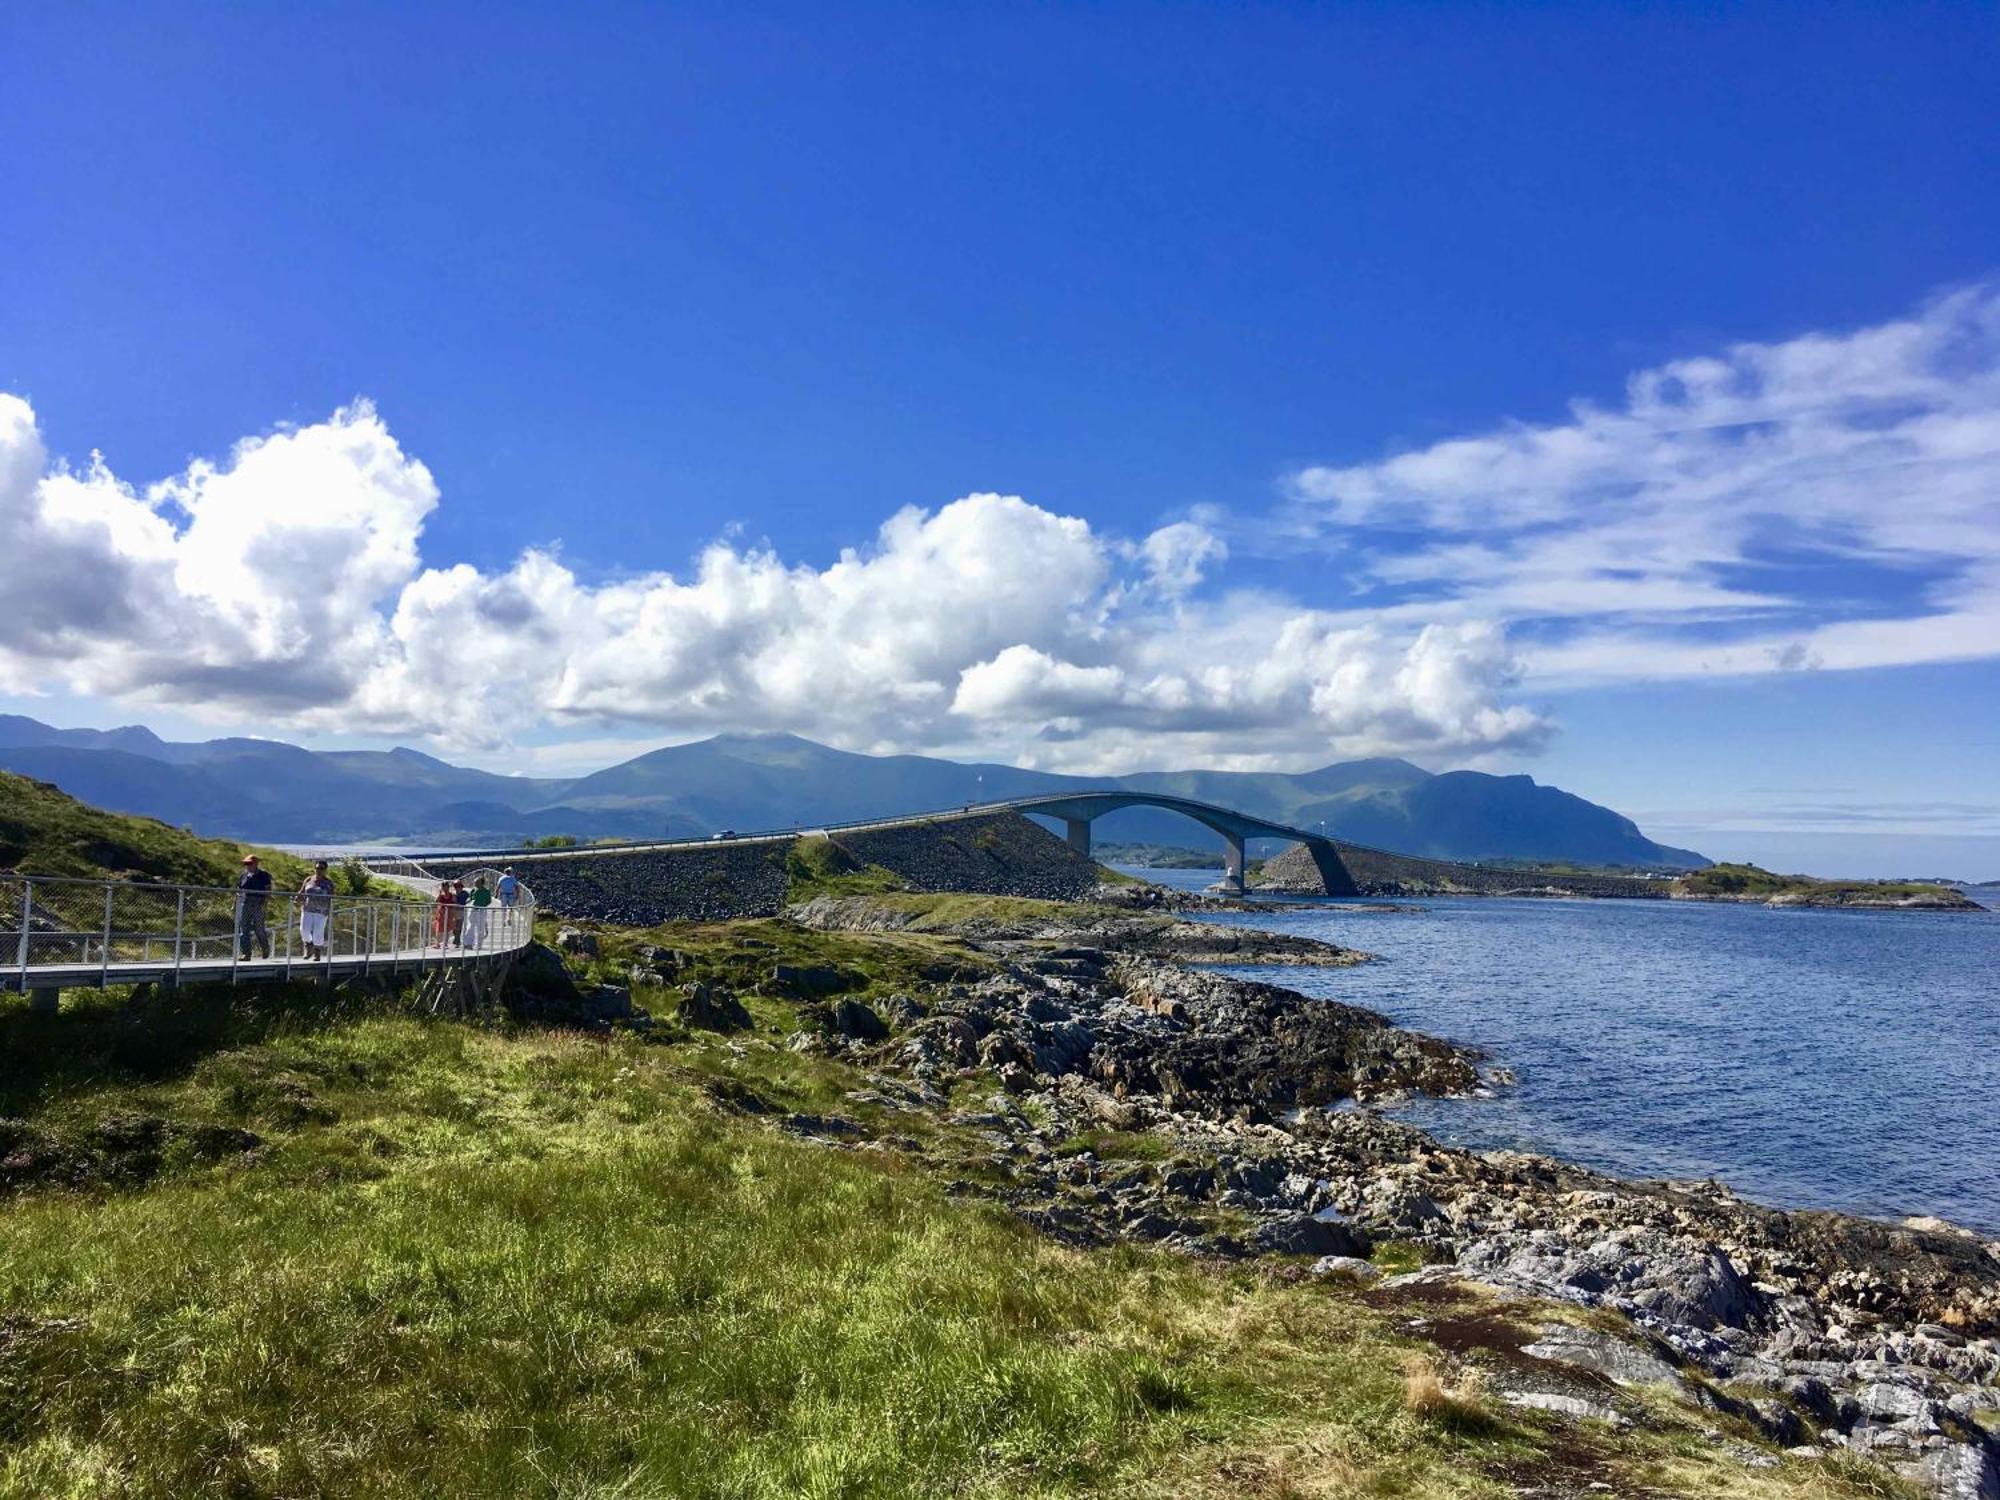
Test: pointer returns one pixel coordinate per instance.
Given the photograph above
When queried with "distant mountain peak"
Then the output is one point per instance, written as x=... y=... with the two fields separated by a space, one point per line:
x=759 y=737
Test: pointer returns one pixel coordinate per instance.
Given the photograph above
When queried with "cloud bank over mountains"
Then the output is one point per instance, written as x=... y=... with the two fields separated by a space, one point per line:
x=285 y=585
x=1829 y=501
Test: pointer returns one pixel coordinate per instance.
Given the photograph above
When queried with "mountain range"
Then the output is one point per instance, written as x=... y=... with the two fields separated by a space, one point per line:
x=277 y=793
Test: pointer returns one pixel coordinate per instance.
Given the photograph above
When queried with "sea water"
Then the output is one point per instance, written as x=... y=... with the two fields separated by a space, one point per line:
x=1807 y=1058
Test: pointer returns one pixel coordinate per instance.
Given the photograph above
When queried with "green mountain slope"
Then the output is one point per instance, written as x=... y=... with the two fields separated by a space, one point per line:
x=45 y=832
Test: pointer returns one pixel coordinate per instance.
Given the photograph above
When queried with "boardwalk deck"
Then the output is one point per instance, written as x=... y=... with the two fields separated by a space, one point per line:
x=58 y=934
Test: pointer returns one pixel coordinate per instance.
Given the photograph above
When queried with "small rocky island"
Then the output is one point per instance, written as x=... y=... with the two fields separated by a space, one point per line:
x=1751 y=885
x=1378 y=874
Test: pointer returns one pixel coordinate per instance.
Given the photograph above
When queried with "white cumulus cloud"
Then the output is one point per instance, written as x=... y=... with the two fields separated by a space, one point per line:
x=284 y=587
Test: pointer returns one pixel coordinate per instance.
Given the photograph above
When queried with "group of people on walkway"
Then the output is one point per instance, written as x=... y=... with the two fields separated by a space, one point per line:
x=461 y=918
x=464 y=912
x=253 y=899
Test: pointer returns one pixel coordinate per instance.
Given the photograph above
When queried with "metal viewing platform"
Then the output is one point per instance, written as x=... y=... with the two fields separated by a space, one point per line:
x=58 y=934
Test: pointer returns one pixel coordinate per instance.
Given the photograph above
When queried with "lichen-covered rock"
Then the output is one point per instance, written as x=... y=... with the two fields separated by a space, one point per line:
x=950 y=1038
x=1665 y=1275
x=1625 y=1361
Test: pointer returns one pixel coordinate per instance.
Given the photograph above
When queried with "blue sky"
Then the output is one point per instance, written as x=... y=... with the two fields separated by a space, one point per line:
x=1608 y=393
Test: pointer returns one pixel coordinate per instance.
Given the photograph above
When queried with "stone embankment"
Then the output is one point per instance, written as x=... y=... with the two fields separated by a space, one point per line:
x=1380 y=874
x=1181 y=1106
x=999 y=854
x=699 y=884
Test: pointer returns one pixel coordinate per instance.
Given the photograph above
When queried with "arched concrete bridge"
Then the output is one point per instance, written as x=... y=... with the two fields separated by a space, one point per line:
x=1077 y=810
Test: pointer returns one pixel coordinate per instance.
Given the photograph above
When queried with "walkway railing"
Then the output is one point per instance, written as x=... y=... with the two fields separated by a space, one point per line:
x=55 y=931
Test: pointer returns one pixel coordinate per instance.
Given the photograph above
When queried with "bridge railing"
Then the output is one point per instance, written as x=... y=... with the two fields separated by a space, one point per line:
x=389 y=865
x=49 y=923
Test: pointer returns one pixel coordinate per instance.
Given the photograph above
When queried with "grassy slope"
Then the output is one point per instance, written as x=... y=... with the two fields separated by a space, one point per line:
x=467 y=1263
x=43 y=831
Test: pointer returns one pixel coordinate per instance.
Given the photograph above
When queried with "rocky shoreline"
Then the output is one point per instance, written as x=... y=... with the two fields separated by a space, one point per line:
x=1140 y=1097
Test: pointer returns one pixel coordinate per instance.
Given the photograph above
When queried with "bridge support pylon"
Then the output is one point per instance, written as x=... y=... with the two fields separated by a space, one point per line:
x=1232 y=863
x=1077 y=832
x=1334 y=876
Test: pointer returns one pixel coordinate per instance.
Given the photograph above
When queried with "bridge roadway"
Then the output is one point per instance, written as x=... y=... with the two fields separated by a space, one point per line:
x=58 y=934
x=1076 y=810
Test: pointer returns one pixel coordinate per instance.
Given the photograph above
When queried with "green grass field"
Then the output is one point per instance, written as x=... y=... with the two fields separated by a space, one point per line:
x=472 y=1262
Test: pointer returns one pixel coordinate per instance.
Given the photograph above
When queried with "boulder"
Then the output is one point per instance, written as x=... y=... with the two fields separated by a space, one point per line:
x=1812 y=1396
x=809 y=979
x=576 y=940
x=1150 y=1226
x=608 y=1002
x=953 y=1039
x=1885 y=1401
x=1780 y=1423
x=1344 y=1268
x=1618 y=1359
x=1564 y=1405
x=1257 y=1179
x=1189 y=1180
x=708 y=1008
x=856 y=1021
x=1402 y=1208
x=1640 y=1269
x=540 y=974
x=1302 y=1234
x=1061 y=1047
x=1962 y=1471
x=1002 y=1049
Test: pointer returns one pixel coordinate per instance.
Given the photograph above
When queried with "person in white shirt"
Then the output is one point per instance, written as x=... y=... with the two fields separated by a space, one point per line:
x=316 y=910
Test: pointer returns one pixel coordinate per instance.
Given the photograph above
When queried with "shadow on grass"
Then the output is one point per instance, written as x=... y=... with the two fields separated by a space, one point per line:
x=147 y=1035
